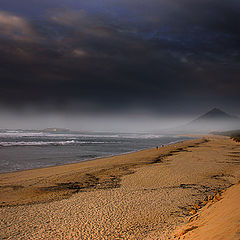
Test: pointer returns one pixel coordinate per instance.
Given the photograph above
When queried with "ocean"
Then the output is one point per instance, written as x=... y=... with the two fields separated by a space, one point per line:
x=21 y=150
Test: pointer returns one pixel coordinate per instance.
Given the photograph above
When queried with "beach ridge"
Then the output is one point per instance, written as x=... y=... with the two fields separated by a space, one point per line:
x=218 y=219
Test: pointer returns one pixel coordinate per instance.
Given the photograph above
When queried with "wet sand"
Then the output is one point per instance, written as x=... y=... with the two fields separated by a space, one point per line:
x=142 y=195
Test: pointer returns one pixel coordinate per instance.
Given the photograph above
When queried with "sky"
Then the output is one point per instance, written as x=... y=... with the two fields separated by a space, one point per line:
x=118 y=58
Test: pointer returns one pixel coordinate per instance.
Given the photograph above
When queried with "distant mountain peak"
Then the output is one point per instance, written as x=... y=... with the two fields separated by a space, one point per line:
x=215 y=114
x=213 y=120
x=216 y=110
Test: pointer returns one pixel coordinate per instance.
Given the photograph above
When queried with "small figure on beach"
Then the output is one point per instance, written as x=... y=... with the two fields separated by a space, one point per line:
x=157 y=147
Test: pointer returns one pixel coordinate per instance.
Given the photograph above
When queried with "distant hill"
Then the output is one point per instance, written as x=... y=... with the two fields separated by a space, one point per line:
x=61 y=131
x=235 y=134
x=215 y=115
x=214 y=120
x=56 y=130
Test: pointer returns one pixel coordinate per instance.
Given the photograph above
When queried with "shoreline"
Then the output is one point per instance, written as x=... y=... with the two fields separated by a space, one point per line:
x=64 y=172
x=66 y=164
x=131 y=196
x=103 y=157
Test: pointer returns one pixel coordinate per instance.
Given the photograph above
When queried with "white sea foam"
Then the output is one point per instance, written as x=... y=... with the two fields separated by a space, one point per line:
x=38 y=143
x=122 y=135
x=19 y=134
x=143 y=136
x=34 y=134
x=41 y=143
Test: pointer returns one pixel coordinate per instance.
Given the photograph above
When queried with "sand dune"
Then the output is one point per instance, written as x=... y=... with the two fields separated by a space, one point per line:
x=218 y=220
x=142 y=195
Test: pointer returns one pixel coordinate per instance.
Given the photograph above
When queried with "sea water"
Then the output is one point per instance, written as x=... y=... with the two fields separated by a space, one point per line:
x=21 y=150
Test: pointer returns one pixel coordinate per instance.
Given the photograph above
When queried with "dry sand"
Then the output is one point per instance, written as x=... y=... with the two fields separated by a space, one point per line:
x=142 y=195
x=217 y=220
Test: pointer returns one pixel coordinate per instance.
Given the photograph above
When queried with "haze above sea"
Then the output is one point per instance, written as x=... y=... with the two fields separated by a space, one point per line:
x=21 y=150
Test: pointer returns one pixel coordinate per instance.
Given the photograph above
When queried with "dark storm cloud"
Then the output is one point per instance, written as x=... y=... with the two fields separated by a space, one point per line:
x=118 y=54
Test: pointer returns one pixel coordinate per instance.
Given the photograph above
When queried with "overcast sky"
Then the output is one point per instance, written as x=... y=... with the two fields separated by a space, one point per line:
x=166 y=57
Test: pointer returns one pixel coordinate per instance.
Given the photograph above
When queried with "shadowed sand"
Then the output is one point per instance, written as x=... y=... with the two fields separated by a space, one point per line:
x=142 y=195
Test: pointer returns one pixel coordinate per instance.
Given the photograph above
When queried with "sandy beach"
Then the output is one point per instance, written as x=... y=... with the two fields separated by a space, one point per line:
x=141 y=195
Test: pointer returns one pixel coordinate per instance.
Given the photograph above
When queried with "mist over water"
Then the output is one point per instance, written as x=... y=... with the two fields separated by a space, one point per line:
x=128 y=121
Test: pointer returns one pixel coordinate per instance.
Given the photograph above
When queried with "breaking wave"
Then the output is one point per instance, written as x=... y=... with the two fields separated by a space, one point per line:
x=41 y=143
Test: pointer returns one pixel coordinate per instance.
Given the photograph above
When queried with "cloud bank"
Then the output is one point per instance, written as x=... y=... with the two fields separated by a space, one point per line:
x=114 y=55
